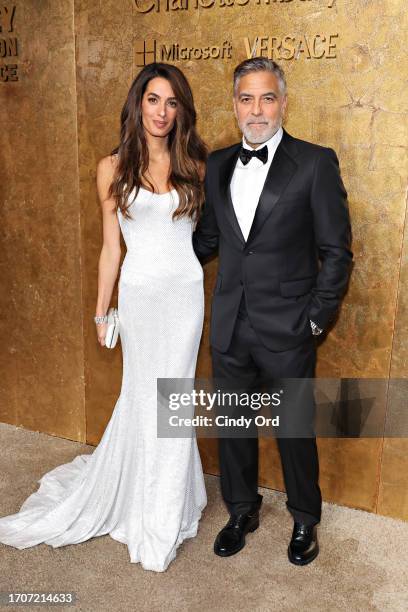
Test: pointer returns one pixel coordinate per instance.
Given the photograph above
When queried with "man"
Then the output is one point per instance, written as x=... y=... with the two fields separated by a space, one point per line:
x=276 y=210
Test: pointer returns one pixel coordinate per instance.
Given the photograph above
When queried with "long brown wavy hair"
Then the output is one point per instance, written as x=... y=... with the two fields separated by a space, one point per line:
x=188 y=152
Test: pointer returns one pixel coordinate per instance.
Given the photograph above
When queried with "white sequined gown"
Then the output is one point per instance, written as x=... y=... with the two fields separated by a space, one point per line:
x=146 y=492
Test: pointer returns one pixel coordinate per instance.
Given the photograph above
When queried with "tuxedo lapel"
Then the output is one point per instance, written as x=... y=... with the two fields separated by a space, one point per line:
x=280 y=173
x=226 y=171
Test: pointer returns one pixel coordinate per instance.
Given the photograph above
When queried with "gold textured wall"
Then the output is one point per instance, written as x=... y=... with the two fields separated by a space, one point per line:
x=42 y=358
x=346 y=90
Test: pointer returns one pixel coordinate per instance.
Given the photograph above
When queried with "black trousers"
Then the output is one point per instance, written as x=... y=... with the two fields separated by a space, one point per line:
x=246 y=360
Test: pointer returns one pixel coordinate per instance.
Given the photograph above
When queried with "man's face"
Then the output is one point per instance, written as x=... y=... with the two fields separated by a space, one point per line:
x=259 y=106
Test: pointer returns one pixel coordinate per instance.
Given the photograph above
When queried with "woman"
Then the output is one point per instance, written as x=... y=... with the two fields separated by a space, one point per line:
x=145 y=491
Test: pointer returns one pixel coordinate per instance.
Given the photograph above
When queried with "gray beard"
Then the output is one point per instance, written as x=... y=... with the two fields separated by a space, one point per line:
x=255 y=137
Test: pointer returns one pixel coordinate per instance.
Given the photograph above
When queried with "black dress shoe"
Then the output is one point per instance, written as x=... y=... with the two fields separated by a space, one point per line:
x=231 y=538
x=303 y=547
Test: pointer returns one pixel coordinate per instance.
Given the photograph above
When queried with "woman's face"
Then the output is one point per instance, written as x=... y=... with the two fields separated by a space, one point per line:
x=159 y=107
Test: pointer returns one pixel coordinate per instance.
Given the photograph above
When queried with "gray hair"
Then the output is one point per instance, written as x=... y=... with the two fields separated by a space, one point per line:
x=256 y=64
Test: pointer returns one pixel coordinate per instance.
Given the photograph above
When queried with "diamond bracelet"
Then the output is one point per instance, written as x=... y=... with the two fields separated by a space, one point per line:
x=101 y=319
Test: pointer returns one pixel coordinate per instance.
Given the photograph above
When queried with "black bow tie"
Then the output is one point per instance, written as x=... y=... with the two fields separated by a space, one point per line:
x=246 y=154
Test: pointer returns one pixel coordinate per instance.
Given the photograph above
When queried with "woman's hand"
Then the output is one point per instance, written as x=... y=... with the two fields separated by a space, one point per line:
x=101 y=330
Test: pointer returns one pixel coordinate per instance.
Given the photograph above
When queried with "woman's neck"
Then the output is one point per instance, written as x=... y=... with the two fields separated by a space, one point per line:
x=158 y=147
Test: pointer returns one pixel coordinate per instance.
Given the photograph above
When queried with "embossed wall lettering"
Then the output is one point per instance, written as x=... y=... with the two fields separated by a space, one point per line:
x=287 y=47
x=292 y=47
x=147 y=6
x=8 y=45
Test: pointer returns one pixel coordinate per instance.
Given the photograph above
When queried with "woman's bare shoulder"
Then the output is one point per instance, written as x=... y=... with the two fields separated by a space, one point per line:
x=105 y=174
x=107 y=165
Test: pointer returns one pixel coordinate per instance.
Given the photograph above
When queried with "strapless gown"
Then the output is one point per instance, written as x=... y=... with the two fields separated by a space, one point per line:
x=144 y=491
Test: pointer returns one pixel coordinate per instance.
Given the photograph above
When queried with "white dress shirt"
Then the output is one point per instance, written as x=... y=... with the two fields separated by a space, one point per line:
x=248 y=181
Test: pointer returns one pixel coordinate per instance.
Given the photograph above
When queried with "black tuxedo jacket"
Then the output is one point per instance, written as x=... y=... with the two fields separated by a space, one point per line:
x=295 y=263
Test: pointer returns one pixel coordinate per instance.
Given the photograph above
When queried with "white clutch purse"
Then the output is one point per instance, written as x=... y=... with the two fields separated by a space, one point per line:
x=112 y=332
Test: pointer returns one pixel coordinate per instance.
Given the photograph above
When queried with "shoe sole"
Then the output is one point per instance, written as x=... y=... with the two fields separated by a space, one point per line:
x=229 y=554
x=305 y=562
